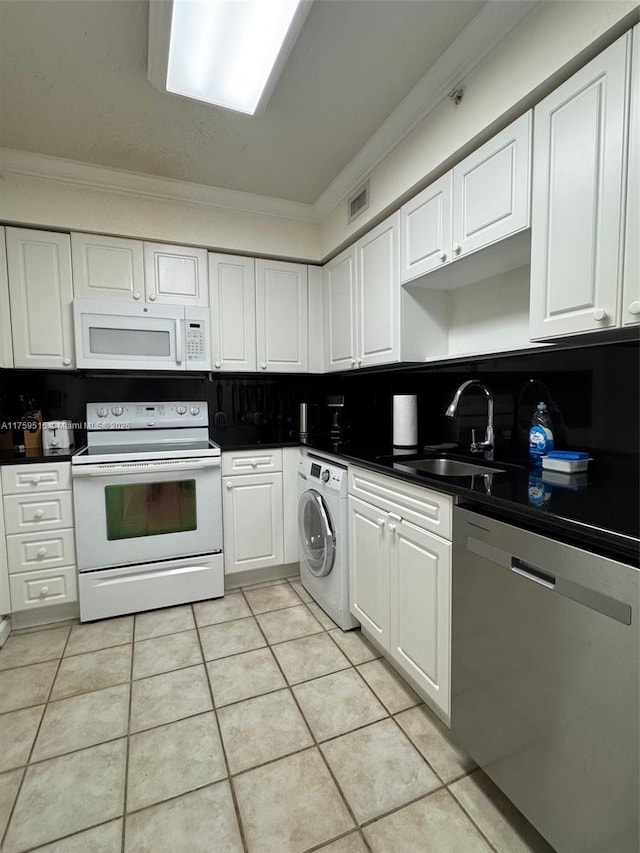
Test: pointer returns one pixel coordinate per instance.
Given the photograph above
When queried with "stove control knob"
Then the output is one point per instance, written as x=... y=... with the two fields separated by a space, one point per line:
x=194 y=410
x=325 y=475
x=117 y=411
x=102 y=413
x=181 y=410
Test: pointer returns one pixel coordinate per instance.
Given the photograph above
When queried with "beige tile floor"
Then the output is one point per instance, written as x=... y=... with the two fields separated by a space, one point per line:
x=249 y=723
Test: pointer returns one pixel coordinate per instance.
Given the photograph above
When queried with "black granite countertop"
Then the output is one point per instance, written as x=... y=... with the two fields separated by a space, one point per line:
x=600 y=511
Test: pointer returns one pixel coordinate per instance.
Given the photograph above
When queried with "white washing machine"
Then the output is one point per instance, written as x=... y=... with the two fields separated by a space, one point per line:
x=323 y=519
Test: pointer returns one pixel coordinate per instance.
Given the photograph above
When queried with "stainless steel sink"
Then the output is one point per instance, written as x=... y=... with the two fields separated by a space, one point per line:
x=444 y=467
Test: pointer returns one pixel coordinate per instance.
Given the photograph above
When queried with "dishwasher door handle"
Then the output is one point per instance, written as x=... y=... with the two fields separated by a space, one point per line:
x=532 y=573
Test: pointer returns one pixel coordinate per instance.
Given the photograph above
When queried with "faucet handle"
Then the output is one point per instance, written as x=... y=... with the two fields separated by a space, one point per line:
x=479 y=446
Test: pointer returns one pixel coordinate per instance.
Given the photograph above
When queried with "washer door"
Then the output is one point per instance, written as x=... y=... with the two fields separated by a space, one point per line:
x=317 y=537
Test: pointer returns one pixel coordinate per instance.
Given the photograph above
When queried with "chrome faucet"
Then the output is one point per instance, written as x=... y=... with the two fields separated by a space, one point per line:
x=476 y=446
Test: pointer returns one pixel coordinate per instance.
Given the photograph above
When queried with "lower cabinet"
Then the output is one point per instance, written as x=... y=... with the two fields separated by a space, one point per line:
x=400 y=574
x=256 y=488
x=40 y=547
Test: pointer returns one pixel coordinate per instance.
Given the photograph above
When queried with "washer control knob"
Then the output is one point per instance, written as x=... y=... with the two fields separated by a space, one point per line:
x=325 y=475
x=181 y=410
x=102 y=413
x=117 y=411
x=195 y=410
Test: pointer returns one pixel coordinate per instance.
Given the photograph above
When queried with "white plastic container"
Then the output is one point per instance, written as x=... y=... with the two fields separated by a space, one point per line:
x=568 y=461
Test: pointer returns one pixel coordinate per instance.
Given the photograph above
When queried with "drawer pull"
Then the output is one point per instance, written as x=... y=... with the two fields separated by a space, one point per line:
x=34 y=479
x=42 y=552
x=38 y=513
x=254 y=463
x=44 y=591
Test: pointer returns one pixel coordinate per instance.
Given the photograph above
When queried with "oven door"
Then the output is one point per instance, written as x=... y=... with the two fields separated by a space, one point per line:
x=138 y=512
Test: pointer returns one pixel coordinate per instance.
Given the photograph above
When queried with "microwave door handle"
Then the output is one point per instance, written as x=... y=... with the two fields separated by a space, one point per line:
x=179 y=345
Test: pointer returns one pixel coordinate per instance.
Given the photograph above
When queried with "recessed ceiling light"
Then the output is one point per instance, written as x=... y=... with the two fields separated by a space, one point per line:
x=226 y=52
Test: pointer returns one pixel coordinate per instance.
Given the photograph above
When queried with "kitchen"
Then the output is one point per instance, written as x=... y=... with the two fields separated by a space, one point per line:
x=288 y=322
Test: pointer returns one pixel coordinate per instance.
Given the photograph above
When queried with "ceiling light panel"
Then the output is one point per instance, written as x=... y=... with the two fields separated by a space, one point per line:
x=230 y=52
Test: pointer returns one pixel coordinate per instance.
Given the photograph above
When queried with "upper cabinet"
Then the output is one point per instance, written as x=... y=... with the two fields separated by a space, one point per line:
x=339 y=287
x=362 y=301
x=631 y=273
x=378 y=294
x=578 y=194
x=41 y=293
x=281 y=317
x=176 y=275
x=481 y=201
x=232 y=281
x=6 y=349
x=116 y=268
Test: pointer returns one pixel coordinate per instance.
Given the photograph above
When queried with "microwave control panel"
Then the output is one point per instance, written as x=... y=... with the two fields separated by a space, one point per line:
x=196 y=345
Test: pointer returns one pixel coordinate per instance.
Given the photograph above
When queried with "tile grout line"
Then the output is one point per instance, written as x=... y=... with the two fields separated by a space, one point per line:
x=26 y=767
x=317 y=747
x=469 y=816
x=232 y=789
x=126 y=759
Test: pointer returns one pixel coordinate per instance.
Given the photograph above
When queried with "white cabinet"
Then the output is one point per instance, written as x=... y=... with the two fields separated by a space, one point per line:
x=578 y=181
x=362 y=301
x=631 y=273
x=281 y=317
x=41 y=293
x=38 y=523
x=6 y=348
x=5 y=600
x=176 y=275
x=400 y=576
x=232 y=282
x=425 y=226
x=118 y=268
x=107 y=267
x=378 y=294
x=252 y=510
x=339 y=286
x=481 y=201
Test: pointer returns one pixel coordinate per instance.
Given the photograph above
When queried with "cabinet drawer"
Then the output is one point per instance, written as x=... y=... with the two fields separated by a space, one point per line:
x=40 y=589
x=27 y=479
x=28 y=552
x=423 y=507
x=27 y=514
x=248 y=461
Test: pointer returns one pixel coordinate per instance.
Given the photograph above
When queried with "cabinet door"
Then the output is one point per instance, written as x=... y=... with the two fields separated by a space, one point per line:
x=425 y=230
x=5 y=601
x=253 y=522
x=339 y=309
x=232 y=283
x=631 y=274
x=420 y=609
x=369 y=568
x=491 y=189
x=41 y=294
x=578 y=168
x=282 y=322
x=107 y=267
x=378 y=294
x=176 y=275
x=6 y=348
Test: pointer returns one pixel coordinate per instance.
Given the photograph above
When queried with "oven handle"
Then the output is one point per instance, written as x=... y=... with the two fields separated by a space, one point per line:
x=179 y=344
x=108 y=469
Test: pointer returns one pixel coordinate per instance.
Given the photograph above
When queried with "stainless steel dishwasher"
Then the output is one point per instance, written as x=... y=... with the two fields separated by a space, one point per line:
x=545 y=680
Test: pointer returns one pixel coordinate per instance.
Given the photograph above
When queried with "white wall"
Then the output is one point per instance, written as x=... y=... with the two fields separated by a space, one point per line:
x=60 y=204
x=504 y=84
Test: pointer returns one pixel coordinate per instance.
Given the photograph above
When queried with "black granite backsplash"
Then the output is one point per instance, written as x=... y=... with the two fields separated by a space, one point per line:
x=592 y=393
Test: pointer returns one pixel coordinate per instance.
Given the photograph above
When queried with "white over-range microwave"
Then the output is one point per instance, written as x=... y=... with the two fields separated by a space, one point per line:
x=113 y=335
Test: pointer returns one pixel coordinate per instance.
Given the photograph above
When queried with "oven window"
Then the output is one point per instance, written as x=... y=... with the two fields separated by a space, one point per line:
x=150 y=509
x=142 y=342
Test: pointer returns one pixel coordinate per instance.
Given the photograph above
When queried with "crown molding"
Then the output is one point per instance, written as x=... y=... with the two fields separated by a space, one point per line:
x=74 y=173
x=482 y=34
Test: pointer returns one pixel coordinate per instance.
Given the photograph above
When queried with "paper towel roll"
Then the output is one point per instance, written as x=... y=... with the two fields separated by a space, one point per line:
x=405 y=420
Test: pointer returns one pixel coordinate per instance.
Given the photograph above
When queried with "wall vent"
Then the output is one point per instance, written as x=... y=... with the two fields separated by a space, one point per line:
x=358 y=202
